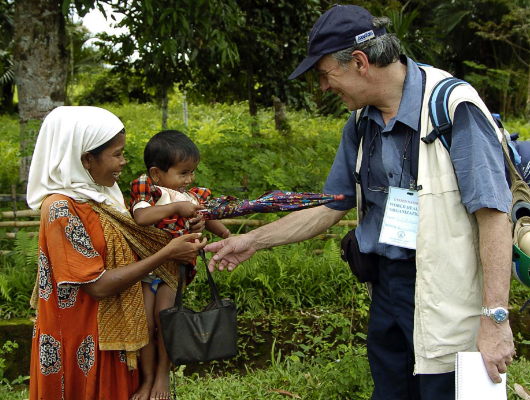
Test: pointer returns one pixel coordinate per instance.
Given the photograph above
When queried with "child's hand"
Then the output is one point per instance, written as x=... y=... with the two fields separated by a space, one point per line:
x=197 y=224
x=226 y=234
x=187 y=209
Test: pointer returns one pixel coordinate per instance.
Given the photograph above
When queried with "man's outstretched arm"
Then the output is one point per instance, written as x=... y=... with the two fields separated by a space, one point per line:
x=295 y=227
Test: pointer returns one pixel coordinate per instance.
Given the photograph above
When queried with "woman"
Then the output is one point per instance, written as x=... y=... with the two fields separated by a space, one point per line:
x=91 y=321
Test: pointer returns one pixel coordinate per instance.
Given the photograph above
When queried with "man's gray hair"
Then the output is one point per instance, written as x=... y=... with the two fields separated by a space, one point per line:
x=381 y=51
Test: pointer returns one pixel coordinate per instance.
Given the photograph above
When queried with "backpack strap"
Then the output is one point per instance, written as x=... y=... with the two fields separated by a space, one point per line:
x=442 y=125
x=361 y=122
x=439 y=113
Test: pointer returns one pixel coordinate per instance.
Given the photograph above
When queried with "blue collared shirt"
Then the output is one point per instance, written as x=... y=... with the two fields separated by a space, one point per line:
x=475 y=153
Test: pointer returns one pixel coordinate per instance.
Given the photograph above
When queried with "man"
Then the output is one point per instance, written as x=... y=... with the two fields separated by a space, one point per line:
x=433 y=282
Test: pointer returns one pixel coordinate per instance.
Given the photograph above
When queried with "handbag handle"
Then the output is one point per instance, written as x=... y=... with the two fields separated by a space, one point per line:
x=213 y=289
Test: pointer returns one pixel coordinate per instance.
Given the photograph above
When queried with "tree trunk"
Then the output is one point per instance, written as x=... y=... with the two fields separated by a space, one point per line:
x=185 y=109
x=280 y=118
x=40 y=64
x=527 y=109
x=252 y=106
x=72 y=65
x=164 y=107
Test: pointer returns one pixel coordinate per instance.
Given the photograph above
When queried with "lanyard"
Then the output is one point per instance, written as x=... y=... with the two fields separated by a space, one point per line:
x=371 y=148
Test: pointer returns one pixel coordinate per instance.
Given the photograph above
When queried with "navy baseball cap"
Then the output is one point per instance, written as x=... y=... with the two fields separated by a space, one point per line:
x=337 y=29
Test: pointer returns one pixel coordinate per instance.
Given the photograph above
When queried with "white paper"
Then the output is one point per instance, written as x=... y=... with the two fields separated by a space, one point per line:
x=473 y=381
x=400 y=222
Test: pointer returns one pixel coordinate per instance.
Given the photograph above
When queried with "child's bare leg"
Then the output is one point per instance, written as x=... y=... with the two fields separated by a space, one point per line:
x=148 y=352
x=165 y=298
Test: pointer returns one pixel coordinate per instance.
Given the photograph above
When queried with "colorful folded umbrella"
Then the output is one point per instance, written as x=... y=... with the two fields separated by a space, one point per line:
x=273 y=201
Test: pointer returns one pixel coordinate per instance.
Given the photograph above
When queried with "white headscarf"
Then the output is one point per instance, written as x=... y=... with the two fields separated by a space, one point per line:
x=66 y=133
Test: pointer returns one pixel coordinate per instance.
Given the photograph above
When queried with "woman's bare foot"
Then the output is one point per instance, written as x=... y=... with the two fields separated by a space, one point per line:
x=161 y=389
x=143 y=391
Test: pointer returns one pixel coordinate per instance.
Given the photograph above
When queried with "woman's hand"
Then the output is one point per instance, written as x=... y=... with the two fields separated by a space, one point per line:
x=183 y=249
x=196 y=224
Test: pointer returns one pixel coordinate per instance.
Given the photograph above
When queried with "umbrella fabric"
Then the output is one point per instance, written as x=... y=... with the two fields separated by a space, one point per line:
x=273 y=201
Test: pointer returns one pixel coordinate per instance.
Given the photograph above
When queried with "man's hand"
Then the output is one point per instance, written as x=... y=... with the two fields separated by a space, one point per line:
x=231 y=252
x=495 y=343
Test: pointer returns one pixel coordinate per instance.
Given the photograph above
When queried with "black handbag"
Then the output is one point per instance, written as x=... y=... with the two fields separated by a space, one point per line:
x=191 y=337
x=364 y=266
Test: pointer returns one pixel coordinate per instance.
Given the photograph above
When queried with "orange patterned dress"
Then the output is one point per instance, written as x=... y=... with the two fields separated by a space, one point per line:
x=66 y=362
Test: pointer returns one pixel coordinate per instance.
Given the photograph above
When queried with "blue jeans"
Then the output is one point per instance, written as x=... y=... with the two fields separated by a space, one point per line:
x=389 y=342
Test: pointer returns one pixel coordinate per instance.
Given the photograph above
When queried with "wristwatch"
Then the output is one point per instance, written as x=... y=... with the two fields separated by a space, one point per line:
x=498 y=314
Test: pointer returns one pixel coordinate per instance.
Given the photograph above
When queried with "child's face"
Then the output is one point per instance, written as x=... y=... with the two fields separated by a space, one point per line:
x=179 y=177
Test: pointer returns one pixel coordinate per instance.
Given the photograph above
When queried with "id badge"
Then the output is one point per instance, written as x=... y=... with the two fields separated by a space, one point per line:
x=400 y=222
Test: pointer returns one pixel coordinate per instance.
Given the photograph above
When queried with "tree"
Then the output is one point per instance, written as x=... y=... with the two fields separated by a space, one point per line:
x=271 y=43
x=168 y=40
x=512 y=30
x=418 y=44
x=7 y=73
x=83 y=58
x=40 y=66
x=41 y=54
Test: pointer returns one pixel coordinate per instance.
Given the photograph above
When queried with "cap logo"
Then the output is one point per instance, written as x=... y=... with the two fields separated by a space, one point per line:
x=363 y=37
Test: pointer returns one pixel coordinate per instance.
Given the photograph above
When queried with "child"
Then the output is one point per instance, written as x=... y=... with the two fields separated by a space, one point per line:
x=171 y=158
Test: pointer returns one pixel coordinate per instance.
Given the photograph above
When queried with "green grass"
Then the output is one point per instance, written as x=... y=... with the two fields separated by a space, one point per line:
x=346 y=378
x=520 y=125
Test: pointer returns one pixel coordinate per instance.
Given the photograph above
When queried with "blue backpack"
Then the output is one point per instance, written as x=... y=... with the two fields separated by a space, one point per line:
x=523 y=150
x=442 y=126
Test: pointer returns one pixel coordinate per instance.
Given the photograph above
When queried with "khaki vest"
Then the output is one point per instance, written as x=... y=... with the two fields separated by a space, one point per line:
x=448 y=269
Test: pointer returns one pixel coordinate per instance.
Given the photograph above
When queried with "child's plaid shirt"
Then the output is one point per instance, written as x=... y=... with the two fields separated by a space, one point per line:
x=143 y=190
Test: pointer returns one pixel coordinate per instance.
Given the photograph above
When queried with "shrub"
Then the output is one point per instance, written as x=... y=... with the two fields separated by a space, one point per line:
x=18 y=271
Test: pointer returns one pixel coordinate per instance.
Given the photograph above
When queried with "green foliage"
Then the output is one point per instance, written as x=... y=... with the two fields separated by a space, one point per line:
x=518 y=373
x=6 y=387
x=501 y=27
x=500 y=87
x=520 y=125
x=11 y=393
x=287 y=278
x=83 y=57
x=7 y=348
x=107 y=88
x=167 y=39
x=18 y=271
x=9 y=148
x=418 y=44
x=111 y=87
x=278 y=36
x=298 y=162
x=230 y=154
x=7 y=74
